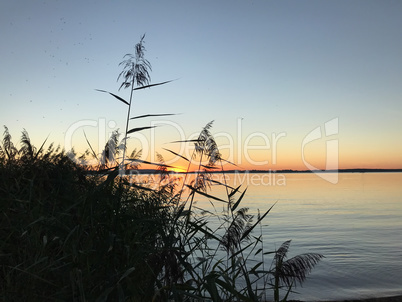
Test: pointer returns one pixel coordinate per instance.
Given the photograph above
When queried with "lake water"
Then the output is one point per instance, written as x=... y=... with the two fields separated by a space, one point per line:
x=356 y=224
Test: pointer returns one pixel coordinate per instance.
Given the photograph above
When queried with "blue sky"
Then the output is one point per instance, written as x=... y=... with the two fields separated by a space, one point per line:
x=282 y=66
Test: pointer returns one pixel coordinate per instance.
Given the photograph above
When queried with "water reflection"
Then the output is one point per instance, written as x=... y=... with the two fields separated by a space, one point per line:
x=356 y=224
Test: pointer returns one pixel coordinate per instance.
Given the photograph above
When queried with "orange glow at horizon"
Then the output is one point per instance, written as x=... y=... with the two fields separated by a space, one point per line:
x=287 y=154
x=176 y=169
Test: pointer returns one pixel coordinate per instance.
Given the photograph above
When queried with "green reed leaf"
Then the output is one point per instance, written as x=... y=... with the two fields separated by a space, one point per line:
x=150 y=115
x=139 y=129
x=151 y=85
x=188 y=141
x=40 y=149
x=239 y=200
x=220 y=183
x=248 y=231
x=116 y=96
x=205 y=194
x=127 y=272
x=150 y=163
x=93 y=152
x=229 y=162
x=181 y=156
x=234 y=191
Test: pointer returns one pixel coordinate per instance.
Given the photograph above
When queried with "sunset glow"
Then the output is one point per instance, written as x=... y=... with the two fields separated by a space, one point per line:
x=177 y=170
x=270 y=89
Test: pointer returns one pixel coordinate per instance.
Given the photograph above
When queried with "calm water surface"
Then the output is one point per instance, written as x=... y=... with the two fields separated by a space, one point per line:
x=356 y=224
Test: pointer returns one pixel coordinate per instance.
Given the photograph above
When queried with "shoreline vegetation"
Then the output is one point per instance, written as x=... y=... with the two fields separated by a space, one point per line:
x=70 y=236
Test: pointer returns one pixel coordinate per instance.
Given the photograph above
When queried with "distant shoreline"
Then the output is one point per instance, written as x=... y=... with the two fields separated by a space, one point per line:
x=315 y=171
x=380 y=299
x=285 y=171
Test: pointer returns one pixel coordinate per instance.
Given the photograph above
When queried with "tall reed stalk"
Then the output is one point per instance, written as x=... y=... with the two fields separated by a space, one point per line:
x=135 y=73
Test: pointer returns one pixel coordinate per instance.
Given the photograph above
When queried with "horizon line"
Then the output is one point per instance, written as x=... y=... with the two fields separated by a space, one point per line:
x=352 y=170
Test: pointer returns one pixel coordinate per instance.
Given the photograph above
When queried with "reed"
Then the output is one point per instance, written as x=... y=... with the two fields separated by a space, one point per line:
x=135 y=76
x=70 y=232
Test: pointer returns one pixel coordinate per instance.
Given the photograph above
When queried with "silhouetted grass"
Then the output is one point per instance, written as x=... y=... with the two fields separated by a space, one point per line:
x=67 y=235
x=71 y=232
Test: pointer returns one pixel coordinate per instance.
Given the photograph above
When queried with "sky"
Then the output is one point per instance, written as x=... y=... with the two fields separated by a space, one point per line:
x=289 y=84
